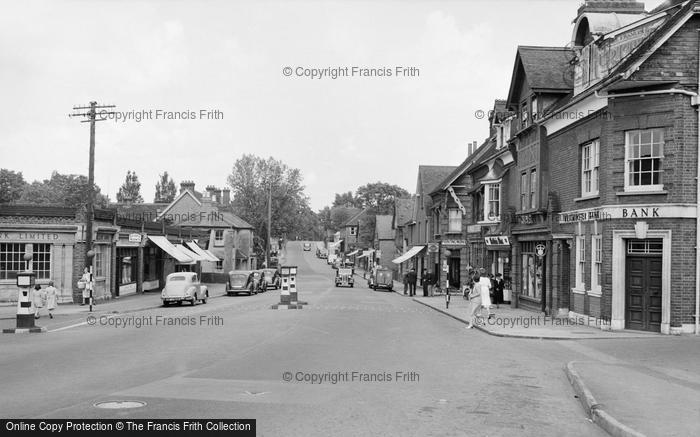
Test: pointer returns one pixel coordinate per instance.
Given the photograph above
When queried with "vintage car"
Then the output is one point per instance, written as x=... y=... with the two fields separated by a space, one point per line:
x=272 y=278
x=381 y=278
x=343 y=276
x=183 y=286
x=323 y=254
x=245 y=281
x=307 y=247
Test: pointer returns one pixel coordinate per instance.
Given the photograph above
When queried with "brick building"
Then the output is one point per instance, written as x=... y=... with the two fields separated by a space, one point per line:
x=623 y=153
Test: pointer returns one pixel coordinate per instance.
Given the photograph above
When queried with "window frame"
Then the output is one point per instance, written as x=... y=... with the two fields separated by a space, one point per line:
x=219 y=241
x=524 y=190
x=453 y=220
x=590 y=166
x=580 y=282
x=533 y=188
x=596 y=264
x=628 y=160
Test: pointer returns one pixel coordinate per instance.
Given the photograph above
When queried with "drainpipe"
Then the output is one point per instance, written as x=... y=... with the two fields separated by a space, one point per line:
x=695 y=102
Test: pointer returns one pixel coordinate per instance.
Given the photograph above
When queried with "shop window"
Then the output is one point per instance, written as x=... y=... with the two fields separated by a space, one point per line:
x=580 y=262
x=589 y=168
x=41 y=262
x=11 y=260
x=218 y=237
x=455 y=221
x=127 y=270
x=101 y=261
x=531 y=271
x=644 y=154
x=596 y=263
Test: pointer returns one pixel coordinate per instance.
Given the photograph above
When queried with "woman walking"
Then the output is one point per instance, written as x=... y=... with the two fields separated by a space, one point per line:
x=51 y=298
x=39 y=298
x=474 y=300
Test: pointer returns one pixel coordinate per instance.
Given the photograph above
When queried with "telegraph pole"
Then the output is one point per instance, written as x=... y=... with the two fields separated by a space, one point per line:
x=92 y=117
x=269 y=226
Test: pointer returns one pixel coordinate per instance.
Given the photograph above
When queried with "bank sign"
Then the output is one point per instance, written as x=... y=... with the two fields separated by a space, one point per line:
x=636 y=212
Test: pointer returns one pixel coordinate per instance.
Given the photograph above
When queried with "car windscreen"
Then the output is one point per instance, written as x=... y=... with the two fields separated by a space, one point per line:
x=238 y=278
x=177 y=278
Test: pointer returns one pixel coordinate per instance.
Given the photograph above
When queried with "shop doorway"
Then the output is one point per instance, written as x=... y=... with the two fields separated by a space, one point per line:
x=643 y=289
x=453 y=274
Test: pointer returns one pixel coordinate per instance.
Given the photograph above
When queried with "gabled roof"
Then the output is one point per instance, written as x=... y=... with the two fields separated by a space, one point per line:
x=403 y=211
x=466 y=165
x=384 y=230
x=431 y=175
x=147 y=212
x=544 y=68
x=177 y=199
x=357 y=214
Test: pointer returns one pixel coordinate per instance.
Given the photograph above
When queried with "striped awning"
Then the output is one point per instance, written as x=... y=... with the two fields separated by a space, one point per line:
x=410 y=253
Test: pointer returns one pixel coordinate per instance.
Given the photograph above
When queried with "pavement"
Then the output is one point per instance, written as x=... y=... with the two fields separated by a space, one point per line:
x=624 y=397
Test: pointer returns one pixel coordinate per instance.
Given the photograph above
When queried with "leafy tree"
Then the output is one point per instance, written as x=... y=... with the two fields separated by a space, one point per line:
x=165 y=189
x=380 y=196
x=130 y=191
x=68 y=190
x=346 y=200
x=341 y=214
x=11 y=185
x=253 y=180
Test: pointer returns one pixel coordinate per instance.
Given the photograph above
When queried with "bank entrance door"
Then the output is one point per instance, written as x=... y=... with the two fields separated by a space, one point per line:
x=643 y=285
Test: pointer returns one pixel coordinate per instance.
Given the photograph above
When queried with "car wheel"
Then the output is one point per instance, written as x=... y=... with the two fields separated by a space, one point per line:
x=179 y=303
x=352 y=285
x=166 y=303
x=206 y=295
x=194 y=300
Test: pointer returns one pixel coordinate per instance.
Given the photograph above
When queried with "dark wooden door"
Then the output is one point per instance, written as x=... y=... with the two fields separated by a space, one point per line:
x=643 y=293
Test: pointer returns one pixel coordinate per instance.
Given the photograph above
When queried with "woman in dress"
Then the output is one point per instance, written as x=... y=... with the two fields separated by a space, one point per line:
x=474 y=300
x=39 y=298
x=51 y=298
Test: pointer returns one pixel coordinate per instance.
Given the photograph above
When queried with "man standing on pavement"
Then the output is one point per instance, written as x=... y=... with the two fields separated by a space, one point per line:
x=425 y=281
x=412 y=279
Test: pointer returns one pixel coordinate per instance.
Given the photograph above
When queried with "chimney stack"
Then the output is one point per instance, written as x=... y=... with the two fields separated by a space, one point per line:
x=226 y=200
x=186 y=186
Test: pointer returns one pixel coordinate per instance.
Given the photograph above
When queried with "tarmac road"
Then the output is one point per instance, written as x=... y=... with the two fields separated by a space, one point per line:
x=400 y=368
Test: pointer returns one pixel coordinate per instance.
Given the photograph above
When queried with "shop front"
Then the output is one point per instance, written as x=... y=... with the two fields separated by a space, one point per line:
x=498 y=252
x=454 y=255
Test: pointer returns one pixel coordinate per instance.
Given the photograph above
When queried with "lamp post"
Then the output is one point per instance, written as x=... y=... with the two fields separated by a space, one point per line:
x=269 y=225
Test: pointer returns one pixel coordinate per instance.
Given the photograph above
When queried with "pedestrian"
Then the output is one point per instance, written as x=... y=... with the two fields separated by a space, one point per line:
x=474 y=301
x=39 y=298
x=425 y=282
x=485 y=291
x=498 y=289
x=51 y=298
x=412 y=279
x=405 y=283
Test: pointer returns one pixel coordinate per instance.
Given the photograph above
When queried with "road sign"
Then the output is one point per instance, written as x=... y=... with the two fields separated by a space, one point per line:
x=433 y=247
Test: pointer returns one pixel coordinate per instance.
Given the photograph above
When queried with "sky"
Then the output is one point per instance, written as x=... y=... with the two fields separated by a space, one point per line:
x=213 y=80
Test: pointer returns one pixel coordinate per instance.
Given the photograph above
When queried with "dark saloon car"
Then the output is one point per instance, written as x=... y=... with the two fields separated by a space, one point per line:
x=272 y=278
x=244 y=281
x=381 y=278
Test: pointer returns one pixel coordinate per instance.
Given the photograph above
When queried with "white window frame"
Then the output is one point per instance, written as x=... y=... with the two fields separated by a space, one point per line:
x=580 y=263
x=533 y=109
x=534 y=183
x=219 y=241
x=628 y=159
x=524 y=190
x=590 y=164
x=596 y=264
x=486 y=199
x=452 y=221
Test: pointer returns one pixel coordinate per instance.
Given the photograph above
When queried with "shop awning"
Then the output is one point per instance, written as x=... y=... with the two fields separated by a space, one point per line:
x=170 y=249
x=195 y=256
x=354 y=252
x=410 y=253
x=208 y=256
x=366 y=253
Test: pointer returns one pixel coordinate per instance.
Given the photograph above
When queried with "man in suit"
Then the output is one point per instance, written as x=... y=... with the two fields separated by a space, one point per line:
x=412 y=279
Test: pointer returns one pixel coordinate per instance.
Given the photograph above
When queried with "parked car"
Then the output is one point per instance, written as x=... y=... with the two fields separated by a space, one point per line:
x=381 y=278
x=259 y=281
x=323 y=254
x=307 y=247
x=343 y=276
x=243 y=281
x=272 y=278
x=183 y=287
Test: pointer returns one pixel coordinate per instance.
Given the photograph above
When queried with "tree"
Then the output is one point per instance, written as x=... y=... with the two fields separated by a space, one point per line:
x=165 y=189
x=252 y=180
x=68 y=190
x=380 y=196
x=130 y=191
x=11 y=185
x=346 y=200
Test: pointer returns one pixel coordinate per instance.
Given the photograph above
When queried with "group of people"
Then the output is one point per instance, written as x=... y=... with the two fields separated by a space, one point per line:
x=45 y=298
x=410 y=280
x=482 y=291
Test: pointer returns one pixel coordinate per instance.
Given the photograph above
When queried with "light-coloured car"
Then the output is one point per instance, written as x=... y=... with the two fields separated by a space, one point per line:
x=184 y=287
x=307 y=247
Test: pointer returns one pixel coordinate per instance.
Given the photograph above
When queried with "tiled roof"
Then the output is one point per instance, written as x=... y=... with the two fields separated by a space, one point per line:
x=356 y=214
x=384 y=228
x=547 y=67
x=432 y=175
x=403 y=211
x=146 y=212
